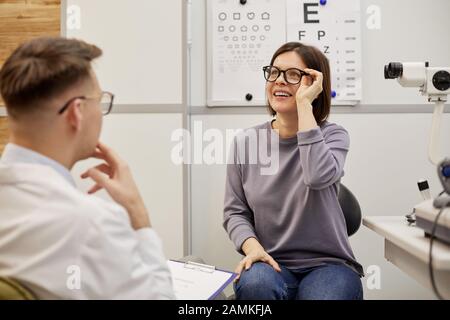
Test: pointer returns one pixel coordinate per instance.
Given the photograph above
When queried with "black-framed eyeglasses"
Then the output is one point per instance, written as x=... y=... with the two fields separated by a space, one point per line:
x=106 y=102
x=291 y=75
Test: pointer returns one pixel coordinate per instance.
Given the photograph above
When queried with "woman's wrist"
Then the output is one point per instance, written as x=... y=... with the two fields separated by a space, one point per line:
x=304 y=105
x=306 y=119
x=249 y=245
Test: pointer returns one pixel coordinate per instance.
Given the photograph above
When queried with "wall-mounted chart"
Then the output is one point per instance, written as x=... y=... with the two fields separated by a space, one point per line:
x=243 y=37
x=335 y=28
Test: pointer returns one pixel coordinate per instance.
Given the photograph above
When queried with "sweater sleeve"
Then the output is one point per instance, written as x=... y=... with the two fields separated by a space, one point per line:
x=237 y=215
x=322 y=155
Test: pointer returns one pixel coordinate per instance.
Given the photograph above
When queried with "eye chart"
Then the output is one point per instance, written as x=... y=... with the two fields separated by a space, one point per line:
x=335 y=28
x=243 y=37
x=241 y=40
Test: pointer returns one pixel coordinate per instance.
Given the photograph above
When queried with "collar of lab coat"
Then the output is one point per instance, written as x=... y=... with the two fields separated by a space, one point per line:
x=32 y=174
x=14 y=154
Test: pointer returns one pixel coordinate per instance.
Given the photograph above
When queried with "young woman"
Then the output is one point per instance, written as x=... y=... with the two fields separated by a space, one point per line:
x=289 y=225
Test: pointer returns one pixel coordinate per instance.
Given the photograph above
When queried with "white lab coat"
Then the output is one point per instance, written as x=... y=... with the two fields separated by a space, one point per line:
x=64 y=244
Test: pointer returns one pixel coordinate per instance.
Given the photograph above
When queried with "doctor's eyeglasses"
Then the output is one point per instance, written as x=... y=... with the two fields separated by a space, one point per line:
x=291 y=75
x=106 y=102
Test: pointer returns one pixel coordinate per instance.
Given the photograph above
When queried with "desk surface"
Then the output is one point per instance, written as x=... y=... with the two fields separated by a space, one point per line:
x=409 y=238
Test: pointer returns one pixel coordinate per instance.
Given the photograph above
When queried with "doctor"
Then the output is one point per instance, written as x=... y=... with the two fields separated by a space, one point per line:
x=54 y=239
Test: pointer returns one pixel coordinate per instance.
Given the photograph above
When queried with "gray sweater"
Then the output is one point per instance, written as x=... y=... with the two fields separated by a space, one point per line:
x=295 y=213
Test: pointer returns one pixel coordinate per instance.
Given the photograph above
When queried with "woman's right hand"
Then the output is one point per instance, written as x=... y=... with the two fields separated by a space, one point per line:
x=310 y=87
x=254 y=252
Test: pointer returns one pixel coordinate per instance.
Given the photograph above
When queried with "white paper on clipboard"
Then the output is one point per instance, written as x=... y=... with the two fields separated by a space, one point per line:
x=195 y=281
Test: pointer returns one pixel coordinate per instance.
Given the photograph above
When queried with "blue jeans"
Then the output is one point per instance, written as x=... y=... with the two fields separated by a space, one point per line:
x=325 y=282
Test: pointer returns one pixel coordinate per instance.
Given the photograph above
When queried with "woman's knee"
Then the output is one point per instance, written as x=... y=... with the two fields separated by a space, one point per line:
x=333 y=282
x=261 y=281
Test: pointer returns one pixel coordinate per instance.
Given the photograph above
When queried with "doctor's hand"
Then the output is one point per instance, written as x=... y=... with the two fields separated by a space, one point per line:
x=115 y=177
x=254 y=252
x=310 y=87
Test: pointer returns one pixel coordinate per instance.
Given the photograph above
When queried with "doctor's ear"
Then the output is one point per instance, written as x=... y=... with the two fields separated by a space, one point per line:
x=74 y=114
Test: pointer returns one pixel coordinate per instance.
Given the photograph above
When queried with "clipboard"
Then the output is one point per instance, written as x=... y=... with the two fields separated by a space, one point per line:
x=197 y=281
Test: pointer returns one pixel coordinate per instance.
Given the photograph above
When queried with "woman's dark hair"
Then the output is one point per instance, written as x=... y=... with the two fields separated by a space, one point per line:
x=313 y=58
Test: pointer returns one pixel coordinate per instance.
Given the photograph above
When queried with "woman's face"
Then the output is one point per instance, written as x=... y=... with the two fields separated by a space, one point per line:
x=276 y=91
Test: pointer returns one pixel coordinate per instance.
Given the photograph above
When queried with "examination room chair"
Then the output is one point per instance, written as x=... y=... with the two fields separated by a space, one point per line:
x=351 y=209
x=12 y=290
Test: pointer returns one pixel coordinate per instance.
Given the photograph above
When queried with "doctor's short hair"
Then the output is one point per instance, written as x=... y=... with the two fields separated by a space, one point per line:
x=43 y=68
x=313 y=58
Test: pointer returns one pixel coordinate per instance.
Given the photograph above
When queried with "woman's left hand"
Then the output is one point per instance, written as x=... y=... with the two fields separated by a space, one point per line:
x=310 y=87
